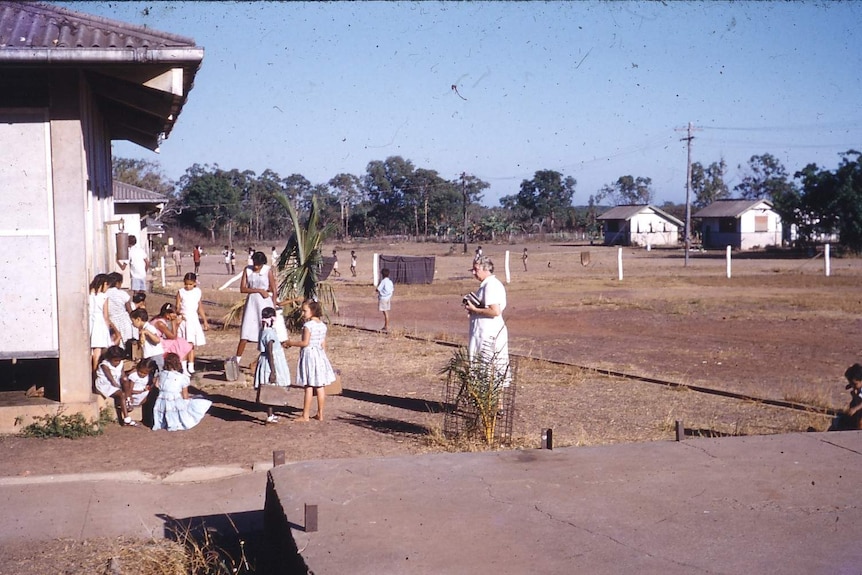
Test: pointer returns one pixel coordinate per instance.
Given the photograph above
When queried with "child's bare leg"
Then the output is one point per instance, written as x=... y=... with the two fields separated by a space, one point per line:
x=120 y=397
x=190 y=360
x=96 y=354
x=321 y=400
x=240 y=348
x=306 y=403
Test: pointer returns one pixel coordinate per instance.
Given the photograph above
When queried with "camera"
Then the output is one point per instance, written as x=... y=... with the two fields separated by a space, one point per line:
x=473 y=299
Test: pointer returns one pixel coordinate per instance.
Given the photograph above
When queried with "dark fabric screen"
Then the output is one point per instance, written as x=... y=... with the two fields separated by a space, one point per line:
x=409 y=269
x=325 y=268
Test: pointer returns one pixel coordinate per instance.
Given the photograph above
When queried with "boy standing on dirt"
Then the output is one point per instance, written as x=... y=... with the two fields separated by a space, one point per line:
x=385 y=289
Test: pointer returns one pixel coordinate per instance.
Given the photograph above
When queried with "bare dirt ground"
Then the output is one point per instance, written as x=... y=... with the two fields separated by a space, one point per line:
x=778 y=329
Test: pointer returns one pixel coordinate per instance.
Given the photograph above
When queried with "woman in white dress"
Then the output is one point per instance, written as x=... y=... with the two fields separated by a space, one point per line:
x=175 y=409
x=489 y=337
x=258 y=281
x=190 y=304
x=100 y=331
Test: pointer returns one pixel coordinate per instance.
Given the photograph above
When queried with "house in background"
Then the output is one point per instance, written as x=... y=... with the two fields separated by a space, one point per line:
x=640 y=225
x=740 y=224
x=70 y=83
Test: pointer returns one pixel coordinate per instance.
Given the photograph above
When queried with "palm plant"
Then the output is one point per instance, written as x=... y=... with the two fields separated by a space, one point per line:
x=298 y=267
x=480 y=384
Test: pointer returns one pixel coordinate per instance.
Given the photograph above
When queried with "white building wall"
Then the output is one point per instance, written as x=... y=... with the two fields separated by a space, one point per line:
x=654 y=230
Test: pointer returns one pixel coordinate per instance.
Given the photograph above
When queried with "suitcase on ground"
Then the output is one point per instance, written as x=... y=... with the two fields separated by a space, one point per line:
x=231 y=369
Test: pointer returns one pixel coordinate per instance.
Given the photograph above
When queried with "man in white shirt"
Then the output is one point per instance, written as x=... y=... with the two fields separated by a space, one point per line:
x=139 y=265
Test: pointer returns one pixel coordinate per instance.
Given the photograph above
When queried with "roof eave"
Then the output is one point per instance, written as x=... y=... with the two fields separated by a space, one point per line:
x=189 y=57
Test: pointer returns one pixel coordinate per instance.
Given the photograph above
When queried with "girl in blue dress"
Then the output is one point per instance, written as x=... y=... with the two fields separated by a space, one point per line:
x=175 y=409
x=272 y=366
x=313 y=372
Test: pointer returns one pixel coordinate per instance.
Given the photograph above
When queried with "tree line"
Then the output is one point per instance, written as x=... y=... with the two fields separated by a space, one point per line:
x=394 y=197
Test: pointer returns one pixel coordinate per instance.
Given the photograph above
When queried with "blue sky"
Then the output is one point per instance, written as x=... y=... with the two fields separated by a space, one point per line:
x=593 y=90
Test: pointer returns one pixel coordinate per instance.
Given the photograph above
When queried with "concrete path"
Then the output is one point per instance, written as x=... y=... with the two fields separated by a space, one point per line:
x=780 y=504
x=784 y=504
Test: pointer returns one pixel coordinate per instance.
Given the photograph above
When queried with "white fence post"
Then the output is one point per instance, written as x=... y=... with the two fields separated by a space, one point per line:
x=728 y=262
x=826 y=258
x=620 y=262
x=374 y=271
x=508 y=275
x=162 y=263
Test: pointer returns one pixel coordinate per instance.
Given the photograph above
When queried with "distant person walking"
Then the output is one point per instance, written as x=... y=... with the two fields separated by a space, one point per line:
x=225 y=253
x=196 y=256
x=478 y=253
x=524 y=259
x=353 y=263
x=385 y=289
x=335 y=271
x=177 y=256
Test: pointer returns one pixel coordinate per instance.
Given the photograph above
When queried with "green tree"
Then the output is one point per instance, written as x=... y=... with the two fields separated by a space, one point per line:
x=472 y=189
x=832 y=201
x=142 y=173
x=707 y=184
x=210 y=198
x=348 y=189
x=544 y=198
x=628 y=190
x=766 y=178
x=387 y=184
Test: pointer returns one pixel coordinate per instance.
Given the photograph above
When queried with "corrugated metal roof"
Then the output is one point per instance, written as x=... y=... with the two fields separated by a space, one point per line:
x=35 y=25
x=730 y=208
x=128 y=194
x=628 y=212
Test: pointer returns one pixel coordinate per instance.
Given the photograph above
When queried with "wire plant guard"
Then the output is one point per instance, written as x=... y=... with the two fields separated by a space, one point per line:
x=480 y=397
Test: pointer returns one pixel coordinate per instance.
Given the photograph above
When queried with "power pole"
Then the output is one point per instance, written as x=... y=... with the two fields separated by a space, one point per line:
x=688 y=140
x=464 y=192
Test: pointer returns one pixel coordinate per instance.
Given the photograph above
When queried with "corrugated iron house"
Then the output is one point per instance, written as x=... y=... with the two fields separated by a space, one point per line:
x=740 y=224
x=70 y=83
x=640 y=225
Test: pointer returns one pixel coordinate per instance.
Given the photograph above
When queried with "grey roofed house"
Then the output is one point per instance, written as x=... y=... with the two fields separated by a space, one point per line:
x=640 y=225
x=70 y=83
x=741 y=224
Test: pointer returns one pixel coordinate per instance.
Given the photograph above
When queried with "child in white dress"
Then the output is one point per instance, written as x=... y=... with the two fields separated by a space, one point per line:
x=190 y=304
x=100 y=331
x=314 y=372
x=175 y=409
x=272 y=368
x=140 y=378
x=111 y=383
